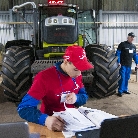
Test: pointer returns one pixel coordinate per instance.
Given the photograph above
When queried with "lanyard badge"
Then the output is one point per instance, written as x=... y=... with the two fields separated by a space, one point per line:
x=63 y=96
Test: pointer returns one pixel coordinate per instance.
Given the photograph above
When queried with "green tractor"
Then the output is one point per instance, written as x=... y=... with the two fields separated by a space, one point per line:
x=55 y=26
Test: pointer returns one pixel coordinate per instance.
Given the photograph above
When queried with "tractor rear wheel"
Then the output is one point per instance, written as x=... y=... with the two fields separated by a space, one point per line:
x=16 y=72
x=106 y=70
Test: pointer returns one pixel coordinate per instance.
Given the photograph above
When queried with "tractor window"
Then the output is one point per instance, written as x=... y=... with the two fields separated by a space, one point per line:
x=49 y=11
x=87 y=26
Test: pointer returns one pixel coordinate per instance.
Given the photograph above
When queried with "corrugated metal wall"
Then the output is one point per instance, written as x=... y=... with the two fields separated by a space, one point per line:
x=121 y=23
x=83 y=4
x=14 y=31
x=109 y=33
x=6 y=30
x=119 y=5
x=23 y=31
x=4 y=5
x=107 y=5
x=114 y=28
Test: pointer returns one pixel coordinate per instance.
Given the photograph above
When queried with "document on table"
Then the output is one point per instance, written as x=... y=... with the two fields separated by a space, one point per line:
x=96 y=116
x=82 y=119
x=75 y=123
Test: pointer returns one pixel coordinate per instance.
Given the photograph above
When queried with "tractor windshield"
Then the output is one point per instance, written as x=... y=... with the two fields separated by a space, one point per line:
x=55 y=10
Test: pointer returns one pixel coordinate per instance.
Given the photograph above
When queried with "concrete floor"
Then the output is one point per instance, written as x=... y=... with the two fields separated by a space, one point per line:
x=126 y=105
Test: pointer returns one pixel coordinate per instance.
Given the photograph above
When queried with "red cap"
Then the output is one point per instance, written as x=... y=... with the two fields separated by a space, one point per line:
x=77 y=56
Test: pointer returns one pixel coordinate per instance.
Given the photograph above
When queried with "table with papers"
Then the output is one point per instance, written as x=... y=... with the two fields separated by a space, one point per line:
x=44 y=131
x=76 y=120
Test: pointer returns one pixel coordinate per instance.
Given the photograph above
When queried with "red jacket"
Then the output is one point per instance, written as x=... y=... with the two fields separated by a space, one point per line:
x=49 y=89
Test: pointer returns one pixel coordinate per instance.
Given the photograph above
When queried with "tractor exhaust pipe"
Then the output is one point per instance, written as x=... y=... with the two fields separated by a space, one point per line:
x=22 y=5
x=35 y=22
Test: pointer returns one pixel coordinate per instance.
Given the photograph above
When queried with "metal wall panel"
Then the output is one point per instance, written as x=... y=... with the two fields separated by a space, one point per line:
x=119 y=5
x=24 y=31
x=115 y=36
x=113 y=32
x=6 y=30
x=4 y=5
x=107 y=5
x=83 y=4
x=14 y=31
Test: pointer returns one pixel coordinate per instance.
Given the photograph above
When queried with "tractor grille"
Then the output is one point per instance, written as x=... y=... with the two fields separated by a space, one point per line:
x=60 y=34
x=39 y=65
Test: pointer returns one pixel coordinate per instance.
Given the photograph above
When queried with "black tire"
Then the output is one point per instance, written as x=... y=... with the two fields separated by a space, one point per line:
x=106 y=70
x=16 y=72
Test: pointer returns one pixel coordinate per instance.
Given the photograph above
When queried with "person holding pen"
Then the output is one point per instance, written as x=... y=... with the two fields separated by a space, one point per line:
x=54 y=86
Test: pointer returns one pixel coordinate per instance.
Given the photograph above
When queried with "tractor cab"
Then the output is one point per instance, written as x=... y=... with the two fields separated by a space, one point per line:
x=58 y=28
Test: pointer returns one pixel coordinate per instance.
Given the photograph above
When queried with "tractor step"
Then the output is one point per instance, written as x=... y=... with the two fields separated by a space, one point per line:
x=39 y=65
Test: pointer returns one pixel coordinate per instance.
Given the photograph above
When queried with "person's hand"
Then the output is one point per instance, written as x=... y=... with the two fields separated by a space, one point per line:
x=119 y=64
x=137 y=66
x=54 y=123
x=71 y=98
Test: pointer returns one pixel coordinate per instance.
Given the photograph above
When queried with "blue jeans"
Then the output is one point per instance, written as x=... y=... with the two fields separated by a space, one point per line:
x=125 y=76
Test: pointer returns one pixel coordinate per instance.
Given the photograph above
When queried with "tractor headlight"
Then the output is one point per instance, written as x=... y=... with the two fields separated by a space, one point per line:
x=55 y=20
x=49 y=20
x=70 y=21
x=65 y=21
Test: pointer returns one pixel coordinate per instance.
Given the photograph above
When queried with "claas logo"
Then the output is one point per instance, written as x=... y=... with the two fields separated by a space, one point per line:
x=60 y=34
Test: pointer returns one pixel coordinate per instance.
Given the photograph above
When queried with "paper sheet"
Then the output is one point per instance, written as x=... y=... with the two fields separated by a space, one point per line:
x=82 y=119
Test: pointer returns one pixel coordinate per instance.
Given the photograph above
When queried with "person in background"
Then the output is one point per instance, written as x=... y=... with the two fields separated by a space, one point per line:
x=54 y=86
x=125 y=52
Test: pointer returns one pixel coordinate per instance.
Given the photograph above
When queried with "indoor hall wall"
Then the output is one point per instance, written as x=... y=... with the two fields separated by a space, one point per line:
x=83 y=4
x=116 y=26
x=105 y=5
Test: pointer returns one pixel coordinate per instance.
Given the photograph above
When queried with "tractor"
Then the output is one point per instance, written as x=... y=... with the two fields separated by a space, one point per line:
x=55 y=27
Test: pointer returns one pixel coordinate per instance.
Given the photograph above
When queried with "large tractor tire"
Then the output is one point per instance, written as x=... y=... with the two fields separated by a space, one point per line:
x=16 y=72
x=106 y=70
